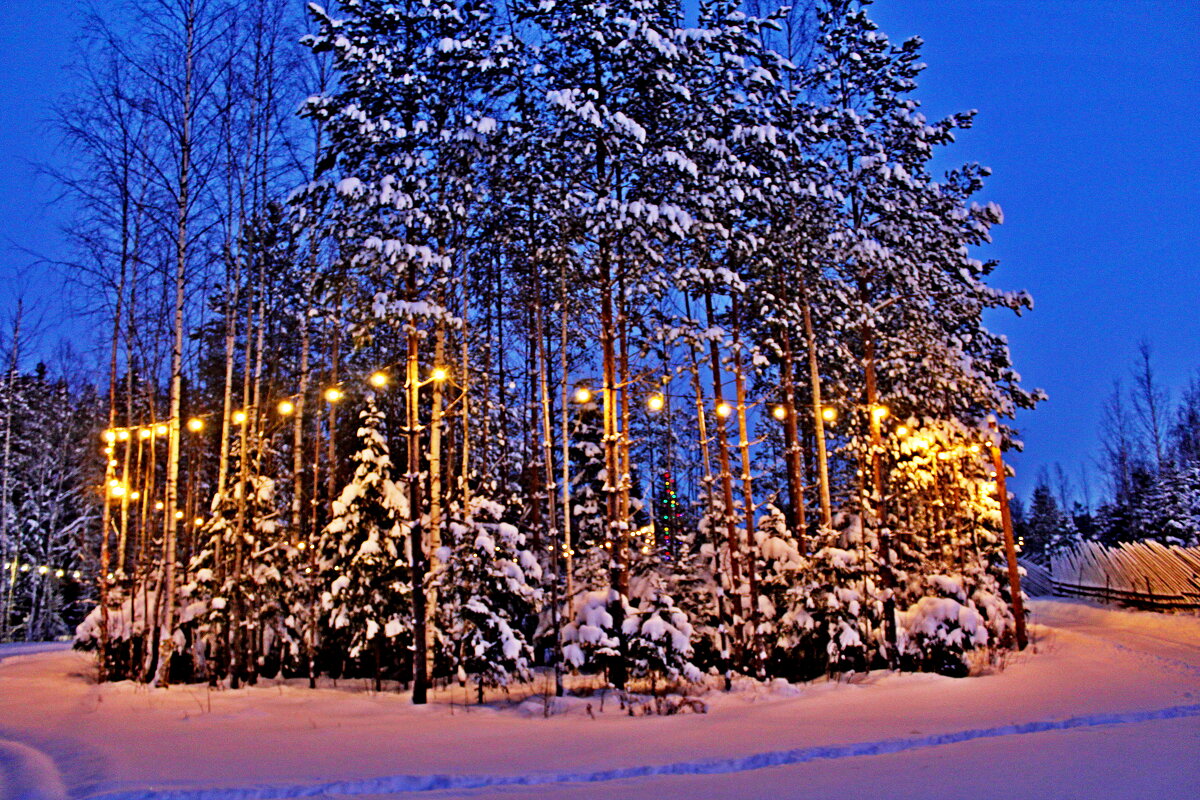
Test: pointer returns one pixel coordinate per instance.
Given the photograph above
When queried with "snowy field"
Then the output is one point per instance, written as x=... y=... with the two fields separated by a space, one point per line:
x=1106 y=705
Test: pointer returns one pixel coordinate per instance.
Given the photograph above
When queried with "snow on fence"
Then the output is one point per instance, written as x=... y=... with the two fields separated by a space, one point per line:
x=1133 y=573
x=1036 y=581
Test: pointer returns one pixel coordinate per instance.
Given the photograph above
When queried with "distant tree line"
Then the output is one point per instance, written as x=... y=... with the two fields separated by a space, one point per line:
x=1150 y=463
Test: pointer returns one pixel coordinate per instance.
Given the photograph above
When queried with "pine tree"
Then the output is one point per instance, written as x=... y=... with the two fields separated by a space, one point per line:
x=488 y=591
x=364 y=559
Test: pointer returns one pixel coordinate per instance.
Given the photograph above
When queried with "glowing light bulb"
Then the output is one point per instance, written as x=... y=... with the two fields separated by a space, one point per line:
x=583 y=394
x=143 y=433
x=59 y=573
x=198 y=521
x=880 y=412
x=118 y=490
x=439 y=374
x=829 y=414
x=379 y=380
x=655 y=402
x=42 y=570
x=160 y=430
x=158 y=506
x=902 y=430
x=333 y=394
x=195 y=425
x=974 y=448
x=123 y=434
x=779 y=413
x=178 y=515
x=286 y=407
x=110 y=436
x=135 y=495
x=239 y=417
x=724 y=410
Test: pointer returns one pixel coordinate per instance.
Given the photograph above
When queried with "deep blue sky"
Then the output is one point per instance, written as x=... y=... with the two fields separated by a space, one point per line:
x=1089 y=115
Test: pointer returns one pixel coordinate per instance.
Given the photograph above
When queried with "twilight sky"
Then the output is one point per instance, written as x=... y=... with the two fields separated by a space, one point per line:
x=1088 y=116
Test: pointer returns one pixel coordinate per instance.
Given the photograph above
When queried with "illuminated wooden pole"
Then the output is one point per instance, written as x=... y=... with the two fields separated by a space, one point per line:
x=1010 y=548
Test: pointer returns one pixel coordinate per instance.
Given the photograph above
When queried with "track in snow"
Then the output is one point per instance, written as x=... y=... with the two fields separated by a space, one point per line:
x=394 y=784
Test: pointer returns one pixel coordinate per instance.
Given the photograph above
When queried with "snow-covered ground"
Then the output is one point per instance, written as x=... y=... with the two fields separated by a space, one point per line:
x=1106 y=704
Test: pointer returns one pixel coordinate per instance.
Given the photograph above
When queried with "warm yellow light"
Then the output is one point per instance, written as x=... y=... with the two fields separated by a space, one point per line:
x=110 y=436
x=880 y=412
x=724 y=410
x=302 y=545
x=112 y=462
x=974 y=448
x=160 y=430
x=135 y=495
x=439 y=374
x=829 y=413
x=143 y=433
x=655 y=402
x=42 y=570
x=59 y=573
x=198 y=521
x=902 y=430
x=583 y=394
x=178 y=515
x=195 y=425
x=108 y=451
x=123 y=434
x=117 y=491
x=779 y=413
x=158 y=506
x=239 y=417
x=379 y=380
x=286 y=407
x=333 y=394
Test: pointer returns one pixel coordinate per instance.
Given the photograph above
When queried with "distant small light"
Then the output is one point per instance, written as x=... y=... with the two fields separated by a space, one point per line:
x=583 y=394
x=333 y=394
x=286 y=407
x=123 y=434
x=178 y=515
x=902 y=430
x=829 y=414
x=239 y=417
x=724 y=410
x=160 y=430
x=880 y=412
x=143 y=433
x=655 y=402
x=439 y=374
x=779 y=413
x=195 y=425
x=379 y=379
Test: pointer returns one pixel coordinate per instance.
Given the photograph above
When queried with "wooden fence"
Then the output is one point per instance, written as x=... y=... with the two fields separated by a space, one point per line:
x=1143 y=574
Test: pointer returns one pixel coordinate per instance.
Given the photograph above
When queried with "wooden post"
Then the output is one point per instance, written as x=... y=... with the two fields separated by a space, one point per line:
x=1010 y=548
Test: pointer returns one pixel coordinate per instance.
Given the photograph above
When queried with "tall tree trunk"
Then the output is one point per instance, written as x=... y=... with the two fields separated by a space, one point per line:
x=726 y=475
x=719 y=577
x=791 y=442
x=416 y=535
x=8 y=552
x=176 y=399
x=818 y=409
x=739 y=382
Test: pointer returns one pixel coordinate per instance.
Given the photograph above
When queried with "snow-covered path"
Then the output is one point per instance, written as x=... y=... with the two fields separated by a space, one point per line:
x=1108 y=706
